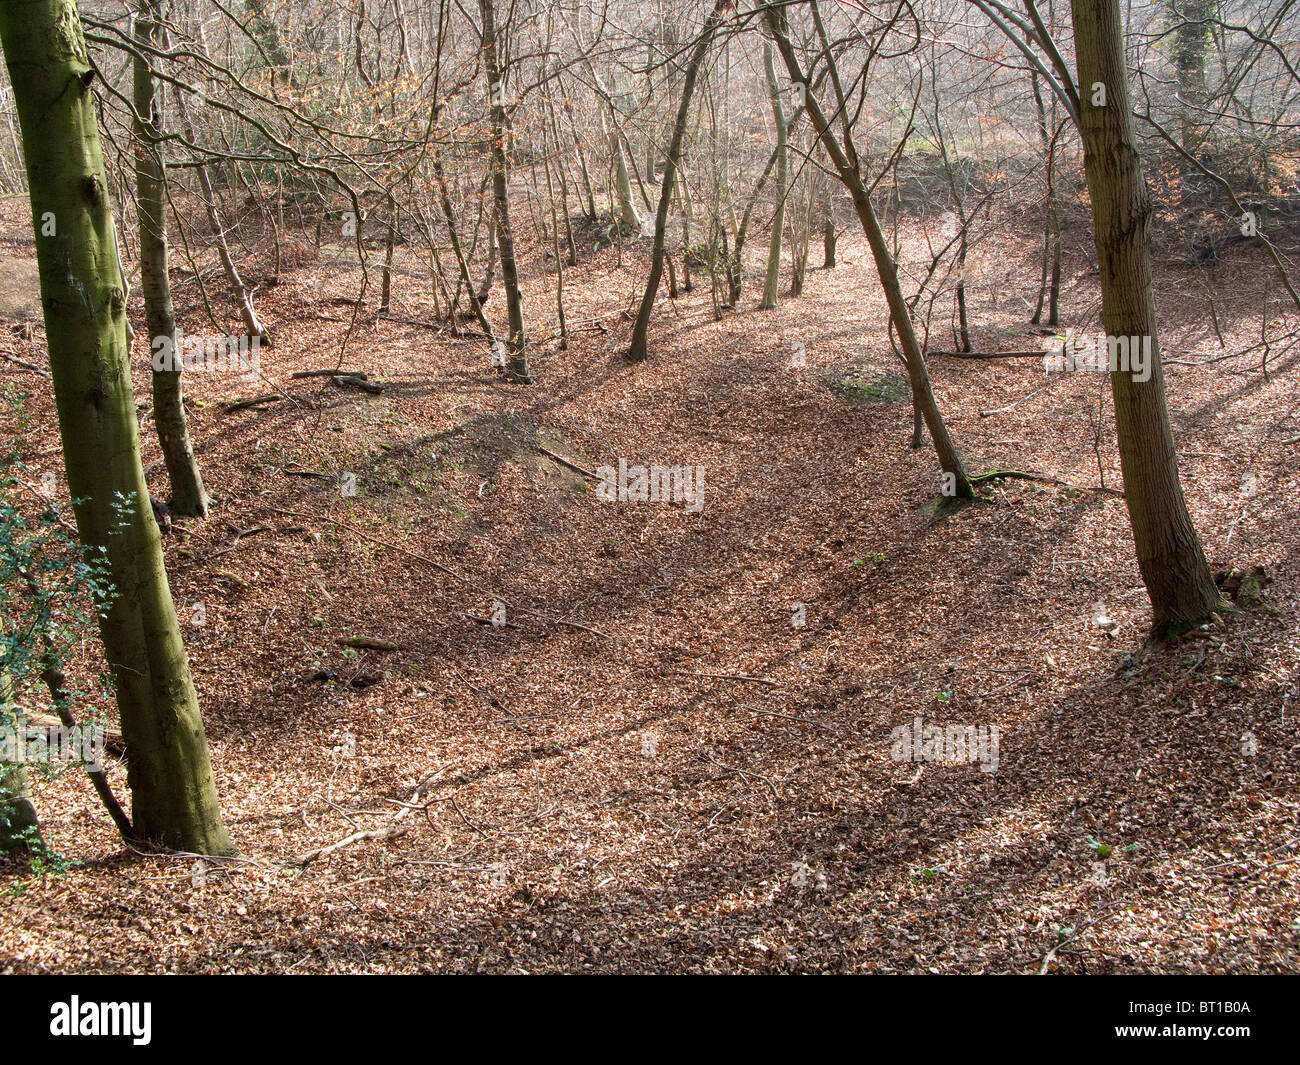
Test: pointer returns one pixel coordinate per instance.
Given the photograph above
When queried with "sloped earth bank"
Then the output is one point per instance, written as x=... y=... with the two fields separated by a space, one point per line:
x=592 y=786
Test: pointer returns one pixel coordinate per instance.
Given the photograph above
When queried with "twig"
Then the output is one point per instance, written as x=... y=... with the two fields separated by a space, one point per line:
x=239 y=535
x=726 y=676
x=26 y=365
x=390 y=831
x=565 y=462
x=1013 y=406
x=245 y=404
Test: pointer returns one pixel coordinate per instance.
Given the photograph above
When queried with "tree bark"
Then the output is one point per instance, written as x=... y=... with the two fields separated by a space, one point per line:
x=188 y=495
x=517 y=355
x=173 y=793
x=829 y=236
x=771 y=280
x=1169 y=552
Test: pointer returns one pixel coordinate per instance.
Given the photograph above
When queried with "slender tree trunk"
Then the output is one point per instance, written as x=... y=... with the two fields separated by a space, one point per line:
x=829 y=236
x=1046 y=144
x=1049 y=281
x=390 y=239
x=582 y=163
x=1169 y=552
x=188 y=495
x=173 y=793
x=801 y=237
x=462 y=266
x=963 y=324
x=517 y=355
x=629 y=217
x=490 y=270
x=639 y=347
x=772 y=279
x=687 y=205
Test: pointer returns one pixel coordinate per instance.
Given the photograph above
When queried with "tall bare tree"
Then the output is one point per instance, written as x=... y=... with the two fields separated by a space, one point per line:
x=1169 y=552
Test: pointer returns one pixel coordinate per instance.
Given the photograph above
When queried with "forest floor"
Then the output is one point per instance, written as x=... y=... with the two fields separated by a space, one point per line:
x=655 y=767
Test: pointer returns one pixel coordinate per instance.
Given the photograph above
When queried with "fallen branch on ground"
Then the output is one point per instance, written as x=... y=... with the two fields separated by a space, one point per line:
x=1042 y=478
x=991 y=354
x=565 y=462
x=369 y=643
x=239 y=535
x=1013 y=406
x=489 y=621
x=25 y=365
x=231 y=406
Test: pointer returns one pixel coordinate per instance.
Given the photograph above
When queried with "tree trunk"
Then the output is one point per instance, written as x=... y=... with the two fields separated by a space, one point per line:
x=639 y=347
x=1189 y=22
x=390 y=239
x=1169 y=552
x=1049 y=290
x=517 y=355
x=629 y=217
x=963 y=323
x=173 y=792
x=771 y=281
x=829 y=236
x=188 y=495
x=19 y=827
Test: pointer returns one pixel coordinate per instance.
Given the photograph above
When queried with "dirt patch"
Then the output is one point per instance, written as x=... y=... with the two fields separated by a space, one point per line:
x=860 y=382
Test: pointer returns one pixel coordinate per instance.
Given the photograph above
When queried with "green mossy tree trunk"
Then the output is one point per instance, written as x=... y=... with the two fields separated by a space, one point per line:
x=1169 y=552
x=173 y=794
x=188 y=495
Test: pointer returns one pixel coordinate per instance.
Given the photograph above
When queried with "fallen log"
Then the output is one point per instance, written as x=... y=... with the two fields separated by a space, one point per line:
x=358 y=382
x=565 y=462
x=1042 y=478
x=368 y=643
x=231 y=406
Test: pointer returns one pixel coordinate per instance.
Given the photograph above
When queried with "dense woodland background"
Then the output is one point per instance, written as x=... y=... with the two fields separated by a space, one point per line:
x=390 y=685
